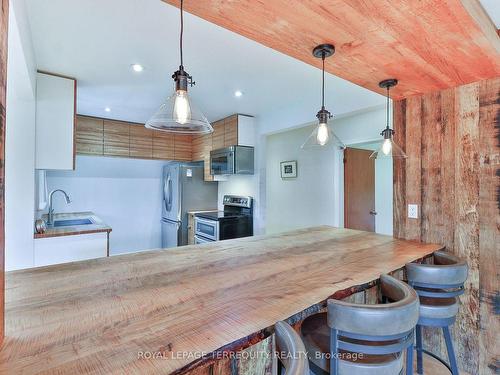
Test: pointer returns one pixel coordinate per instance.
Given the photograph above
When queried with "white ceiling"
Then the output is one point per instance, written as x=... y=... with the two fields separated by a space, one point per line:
x=96 y=41
x=492 y=7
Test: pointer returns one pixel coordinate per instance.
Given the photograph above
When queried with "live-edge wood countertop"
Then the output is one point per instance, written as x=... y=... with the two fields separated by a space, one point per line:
x=97 y=316
x=97 y=225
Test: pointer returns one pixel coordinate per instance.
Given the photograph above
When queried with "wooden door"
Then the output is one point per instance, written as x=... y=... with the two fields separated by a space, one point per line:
x=359 y=190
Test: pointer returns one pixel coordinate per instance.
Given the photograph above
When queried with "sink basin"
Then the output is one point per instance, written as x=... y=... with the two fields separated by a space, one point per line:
x=72 y=222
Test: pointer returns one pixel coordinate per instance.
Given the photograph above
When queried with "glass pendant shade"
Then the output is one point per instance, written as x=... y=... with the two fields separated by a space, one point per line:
x=388 y=149
x=179 y=115
x=322 y=136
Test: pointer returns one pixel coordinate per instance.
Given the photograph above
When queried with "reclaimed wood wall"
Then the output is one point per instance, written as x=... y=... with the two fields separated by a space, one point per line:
x=4 y=17
x=452 y=139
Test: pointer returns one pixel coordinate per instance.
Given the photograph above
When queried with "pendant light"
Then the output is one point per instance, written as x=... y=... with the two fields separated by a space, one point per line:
x=322 y=135
x=389 y=148
x=179 y=114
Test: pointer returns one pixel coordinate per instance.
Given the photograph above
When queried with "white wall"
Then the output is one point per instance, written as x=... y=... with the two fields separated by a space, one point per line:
x=307 y=200
x=19 y=142
x=316 y=196
x=124 y=193
x=383 y=196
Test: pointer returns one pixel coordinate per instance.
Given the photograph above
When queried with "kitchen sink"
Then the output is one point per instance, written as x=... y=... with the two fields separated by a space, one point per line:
x=72 y=222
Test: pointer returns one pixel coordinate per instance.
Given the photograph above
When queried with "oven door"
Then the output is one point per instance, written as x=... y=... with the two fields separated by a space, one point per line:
x=222 y=161
x=206 y=228
x=236 y=228
x=199 y=240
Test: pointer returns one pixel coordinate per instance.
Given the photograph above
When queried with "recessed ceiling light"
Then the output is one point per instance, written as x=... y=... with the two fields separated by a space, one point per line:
x=107 y=109
x=238 y=93
x=137 y=68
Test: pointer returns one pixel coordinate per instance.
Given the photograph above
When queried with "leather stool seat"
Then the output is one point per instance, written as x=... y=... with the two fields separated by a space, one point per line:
x=316 y=337
x=438 y=307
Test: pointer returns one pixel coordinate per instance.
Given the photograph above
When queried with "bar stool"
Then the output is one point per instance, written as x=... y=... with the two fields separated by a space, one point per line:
x=359 y=339
x=438 y=286
x=292 y=352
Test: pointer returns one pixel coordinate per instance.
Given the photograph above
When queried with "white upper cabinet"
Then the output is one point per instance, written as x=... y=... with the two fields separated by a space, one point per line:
x=55 y=122
x=246 y=130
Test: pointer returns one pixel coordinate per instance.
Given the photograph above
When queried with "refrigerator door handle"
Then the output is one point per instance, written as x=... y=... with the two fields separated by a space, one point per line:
x=167 y=193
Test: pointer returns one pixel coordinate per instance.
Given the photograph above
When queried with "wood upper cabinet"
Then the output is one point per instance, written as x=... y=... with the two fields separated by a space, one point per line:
x=141 y=142
x=89 y=135
x=116 y=138
x=197 y=147
x=163 y=145
x=207 y=147
x=218 y=135
x=96 y=136
x=231 y=131
x=183 y=147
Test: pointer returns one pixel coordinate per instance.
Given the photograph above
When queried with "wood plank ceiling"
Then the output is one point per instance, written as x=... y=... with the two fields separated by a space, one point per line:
x=428 y=45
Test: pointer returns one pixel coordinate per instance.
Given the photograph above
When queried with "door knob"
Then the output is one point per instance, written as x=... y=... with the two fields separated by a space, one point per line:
x=373 y=212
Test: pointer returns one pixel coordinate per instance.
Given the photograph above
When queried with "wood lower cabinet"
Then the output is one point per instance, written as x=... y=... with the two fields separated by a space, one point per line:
x=90 y=136
x=141 y=142
x=116 y=138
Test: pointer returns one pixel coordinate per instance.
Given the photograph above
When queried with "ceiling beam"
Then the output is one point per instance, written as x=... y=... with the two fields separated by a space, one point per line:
x=427 y=45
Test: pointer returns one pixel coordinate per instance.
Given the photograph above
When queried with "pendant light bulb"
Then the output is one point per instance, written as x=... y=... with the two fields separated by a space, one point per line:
x=387 y=147
x=322 y=136
x=182 y=109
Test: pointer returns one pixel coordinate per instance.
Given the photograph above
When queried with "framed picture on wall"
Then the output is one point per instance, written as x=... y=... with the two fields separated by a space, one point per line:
x=289 y=169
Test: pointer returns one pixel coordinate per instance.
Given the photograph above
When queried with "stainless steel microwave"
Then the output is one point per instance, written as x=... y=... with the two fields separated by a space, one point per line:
x=232 y=160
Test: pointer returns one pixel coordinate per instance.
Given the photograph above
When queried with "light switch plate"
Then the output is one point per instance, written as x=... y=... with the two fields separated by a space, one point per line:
x=413 y=211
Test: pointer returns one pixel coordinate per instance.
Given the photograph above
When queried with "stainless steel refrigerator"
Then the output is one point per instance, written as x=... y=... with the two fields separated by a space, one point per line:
x=184 y=189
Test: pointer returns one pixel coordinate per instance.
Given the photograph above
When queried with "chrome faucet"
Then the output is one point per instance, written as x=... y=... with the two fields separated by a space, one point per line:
x=51 y=210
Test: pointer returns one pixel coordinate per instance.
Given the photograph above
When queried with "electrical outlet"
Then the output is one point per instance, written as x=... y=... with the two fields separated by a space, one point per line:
x=413 y=211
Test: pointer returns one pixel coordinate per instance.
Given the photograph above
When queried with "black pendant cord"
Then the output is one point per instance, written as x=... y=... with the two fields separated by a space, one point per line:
x=387 y=115
x=182 y=31
x=323 y=79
